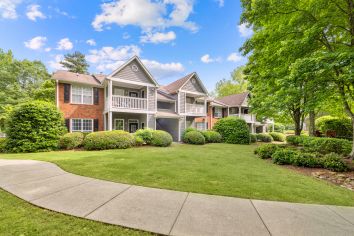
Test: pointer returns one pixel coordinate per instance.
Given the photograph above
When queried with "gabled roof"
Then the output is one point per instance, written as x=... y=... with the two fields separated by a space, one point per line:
x=71 y=77
x=178 y=84
x=164 y=96
x=140 y=63
x=234 y=100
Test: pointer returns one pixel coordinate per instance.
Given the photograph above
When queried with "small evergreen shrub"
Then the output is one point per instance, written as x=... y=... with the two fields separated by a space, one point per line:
x=277 y=136
x=161 y=138
x=138 y=141
x=194 y=137
x=307 y=160
x=117 y=139
x=3 y=144
x=263 y=137
x=71 y=140
x=278 y=127
x=327 y=145
x=253 y=138
x=211 y=136
x=34 y=126
x=284 y=156
x=342 y=126
x=295 y=140
x=233 y=130
x=266 y=151
x=334 y=162
x=145 y=134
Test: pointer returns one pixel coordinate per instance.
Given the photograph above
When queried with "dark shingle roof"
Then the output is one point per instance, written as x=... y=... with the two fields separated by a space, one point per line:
x=233 y=100
x=67 y=76
x=174 y=86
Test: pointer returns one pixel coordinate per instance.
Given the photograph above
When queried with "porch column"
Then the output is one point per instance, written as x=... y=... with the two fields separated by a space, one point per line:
x=109 y=95
x=104 y=122
x=110 y=121
x=228 y=111
x=239 y=111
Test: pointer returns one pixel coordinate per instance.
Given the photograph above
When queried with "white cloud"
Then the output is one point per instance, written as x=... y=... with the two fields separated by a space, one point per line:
x=146 y=14
x=207 y=59
x=221 y=3
x=163 y=70
x=36 y=43
x=8 y=8
x=55 y=63
x=91 y=42
x=235 y=57
x=33 y=12
x=158 y=37
x=244 y=30
x=65 y=44
x=47 y=49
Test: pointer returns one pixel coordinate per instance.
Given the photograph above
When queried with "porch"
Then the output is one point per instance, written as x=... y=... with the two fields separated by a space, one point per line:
x=129 y=122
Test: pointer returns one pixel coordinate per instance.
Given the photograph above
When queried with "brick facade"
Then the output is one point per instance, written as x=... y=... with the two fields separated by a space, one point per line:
x=82 y=111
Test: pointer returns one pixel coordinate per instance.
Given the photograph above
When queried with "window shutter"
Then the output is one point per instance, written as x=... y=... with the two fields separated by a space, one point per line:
x=95 y=125
x=67 y=124
x=67 y=93
x=95 y=96
x=213 y=112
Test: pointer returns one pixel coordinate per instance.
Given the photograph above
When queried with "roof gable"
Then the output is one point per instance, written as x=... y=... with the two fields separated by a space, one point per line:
x=186 y=83
x=135 y=71
x=240 y=99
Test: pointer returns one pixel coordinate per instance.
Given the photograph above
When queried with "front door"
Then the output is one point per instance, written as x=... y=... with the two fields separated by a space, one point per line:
x=133 y=127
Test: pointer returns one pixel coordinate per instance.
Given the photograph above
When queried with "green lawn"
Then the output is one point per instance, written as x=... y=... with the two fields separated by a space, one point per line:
x=18 y=217
x=221 y=169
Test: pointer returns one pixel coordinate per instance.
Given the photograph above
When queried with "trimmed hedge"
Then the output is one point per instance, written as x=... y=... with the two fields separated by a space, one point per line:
x=117 y=139
x=284 y=156
x=307 y=160
x=3 y=144
x=253 y=138
x=334 y=162
x=296 y=140
x=161 y=138
x=194 y=137
x=145 y=134
x=71 y=140
x=263 y=137
x=233 y=130
x=211 y=136
x=277 y=136
x=34 y=126
x=342 y=126
x=138 y=141
x=266 y=151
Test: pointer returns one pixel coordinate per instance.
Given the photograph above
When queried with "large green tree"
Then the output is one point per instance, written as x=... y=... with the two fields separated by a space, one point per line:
x=75 y=62
x=314 y=40
x=236 y=84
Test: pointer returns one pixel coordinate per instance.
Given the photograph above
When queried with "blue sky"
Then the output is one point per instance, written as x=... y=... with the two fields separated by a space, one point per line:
x=173 y=37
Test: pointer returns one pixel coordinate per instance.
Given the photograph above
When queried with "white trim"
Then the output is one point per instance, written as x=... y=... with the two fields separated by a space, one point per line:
x=114 y=123
x=110 y=121
x=130 y=82
x=147 y=121
x=82 y=95
x=155 y=100
x=200 y=82
x=194 y=93
x=81 y=119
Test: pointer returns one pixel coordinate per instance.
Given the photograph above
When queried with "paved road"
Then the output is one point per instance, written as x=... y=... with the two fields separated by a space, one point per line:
x=165 y=211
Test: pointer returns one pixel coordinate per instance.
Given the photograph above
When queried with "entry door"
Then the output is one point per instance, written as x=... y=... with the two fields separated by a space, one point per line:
x=133 y=126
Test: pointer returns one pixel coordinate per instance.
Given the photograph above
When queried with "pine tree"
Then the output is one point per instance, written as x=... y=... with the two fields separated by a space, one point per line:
x=75 y=62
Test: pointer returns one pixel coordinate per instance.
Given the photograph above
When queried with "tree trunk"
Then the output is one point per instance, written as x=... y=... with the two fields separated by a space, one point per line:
x=351 y=155
x=312 y=128
x=297 y=121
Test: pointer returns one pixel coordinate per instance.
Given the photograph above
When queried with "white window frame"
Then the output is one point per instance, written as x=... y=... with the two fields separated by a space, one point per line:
x=203 y=124
x=82 y=94
x=115 y=128
x=81 y=130
x=217 y=114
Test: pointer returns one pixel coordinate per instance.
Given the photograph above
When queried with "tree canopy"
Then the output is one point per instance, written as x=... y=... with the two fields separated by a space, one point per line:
x=75 y=62
x=236 y=84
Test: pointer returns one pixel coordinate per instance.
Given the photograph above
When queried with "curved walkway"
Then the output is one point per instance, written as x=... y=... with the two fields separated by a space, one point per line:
x=165 y=211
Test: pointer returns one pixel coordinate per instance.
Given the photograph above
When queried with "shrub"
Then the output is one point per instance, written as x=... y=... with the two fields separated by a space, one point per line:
x=145 y=135
x=161 y=138
x=194 y=137
x=277 y=136
x=138 y=140
x=3 y=144
x=327 y=145
x=71 y=140
x=253 y=138
x=284 y=156
x=34 y=126
x=307 y=160
x=342 y=126
x=211 y=136
x=233 y=130
x=264 y=138
x=294 y=140
x=266 y=151
x=278 y=127
x=334 y=162
x=117 y=139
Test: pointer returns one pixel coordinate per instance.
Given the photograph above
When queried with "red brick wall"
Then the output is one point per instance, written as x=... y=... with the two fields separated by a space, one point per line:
x=82 y=111
x=210 y=119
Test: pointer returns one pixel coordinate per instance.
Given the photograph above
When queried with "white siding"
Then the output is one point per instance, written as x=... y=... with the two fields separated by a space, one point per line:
x=152 y=99
x=193 y=87
x=137 y=76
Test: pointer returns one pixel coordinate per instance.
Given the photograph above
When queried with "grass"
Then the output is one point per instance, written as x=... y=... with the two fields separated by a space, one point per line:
x=220 y=169
x=18 y=217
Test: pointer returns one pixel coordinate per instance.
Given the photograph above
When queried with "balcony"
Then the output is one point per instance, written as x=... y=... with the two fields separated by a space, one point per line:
x=247 y=117
x=195 y=109
x=131 y=103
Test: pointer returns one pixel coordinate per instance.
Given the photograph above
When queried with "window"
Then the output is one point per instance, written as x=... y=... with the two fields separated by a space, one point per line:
x=118 y=91
x=142 y=125
x=200 y=125
x=233 y=110
x=119 y=124
x=81 y=125
x=81 y=95
x=133 y=94
x=218 y=112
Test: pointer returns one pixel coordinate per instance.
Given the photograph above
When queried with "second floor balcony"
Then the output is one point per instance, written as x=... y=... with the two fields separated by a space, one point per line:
x=131 y=103
x=195 y=109
x=249 y=118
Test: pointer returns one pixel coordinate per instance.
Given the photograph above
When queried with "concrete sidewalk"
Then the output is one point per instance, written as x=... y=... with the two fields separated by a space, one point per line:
x=164 y=211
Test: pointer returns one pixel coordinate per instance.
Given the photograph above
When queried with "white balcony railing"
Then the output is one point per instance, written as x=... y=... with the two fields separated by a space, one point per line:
x=195 y=108
x=247 y=117
x=124 y=102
